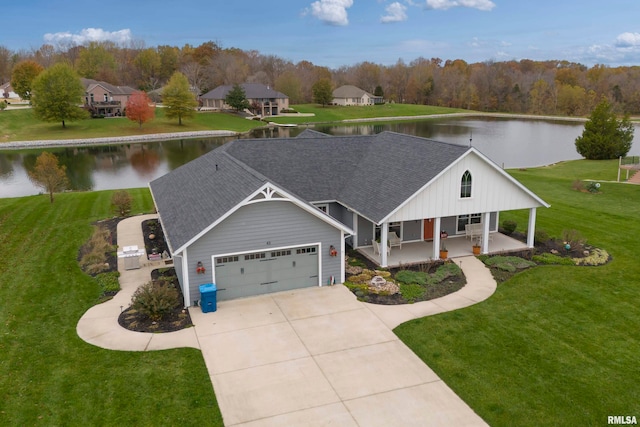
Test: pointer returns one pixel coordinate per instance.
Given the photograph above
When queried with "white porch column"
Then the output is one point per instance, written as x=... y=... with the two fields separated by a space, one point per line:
x=436 y=238
x=531 y=233
x=354 y=238
x=486 y=217
x=185 y=280
x=384 y=237
x=342 y=257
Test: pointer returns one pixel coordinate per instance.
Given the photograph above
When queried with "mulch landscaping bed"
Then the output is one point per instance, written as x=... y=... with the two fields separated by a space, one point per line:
x=154 y=241
x=176 y=320
x=179 y=318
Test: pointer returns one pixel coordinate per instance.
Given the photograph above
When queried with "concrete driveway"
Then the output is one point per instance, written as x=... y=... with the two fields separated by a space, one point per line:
x=318 y=357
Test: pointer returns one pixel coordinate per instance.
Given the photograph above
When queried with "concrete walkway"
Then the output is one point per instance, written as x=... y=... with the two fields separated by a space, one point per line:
x=313 y=356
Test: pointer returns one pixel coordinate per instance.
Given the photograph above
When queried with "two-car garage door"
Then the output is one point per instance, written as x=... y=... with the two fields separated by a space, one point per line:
x=263 y=272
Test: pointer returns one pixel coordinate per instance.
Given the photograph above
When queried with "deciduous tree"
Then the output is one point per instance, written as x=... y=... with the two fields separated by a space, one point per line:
x=237 y=98
x=139 y=108
x=121 y=201
x=49 y=175
x=96 y=62
x=178 y=100
x=22 y=77
x=604 y=136
x=322 y=91
x=56 y=95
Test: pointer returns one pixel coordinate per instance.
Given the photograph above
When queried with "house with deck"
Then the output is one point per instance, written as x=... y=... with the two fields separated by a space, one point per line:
x=105 y=99
x=267 y=215
x=263 y=100
x=353 y=95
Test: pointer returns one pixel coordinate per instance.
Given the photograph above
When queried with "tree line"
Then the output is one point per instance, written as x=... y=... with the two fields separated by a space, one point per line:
x=524 y=86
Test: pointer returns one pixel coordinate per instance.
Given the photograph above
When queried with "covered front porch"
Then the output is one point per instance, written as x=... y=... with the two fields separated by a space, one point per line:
x=421 y=252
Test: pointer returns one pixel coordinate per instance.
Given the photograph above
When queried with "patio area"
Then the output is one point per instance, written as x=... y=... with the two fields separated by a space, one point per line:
x=458 y=246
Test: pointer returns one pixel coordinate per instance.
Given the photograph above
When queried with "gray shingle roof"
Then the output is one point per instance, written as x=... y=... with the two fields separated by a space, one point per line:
x=251 y=91
x=349 y=91
x=114 y=90
x=371 y=174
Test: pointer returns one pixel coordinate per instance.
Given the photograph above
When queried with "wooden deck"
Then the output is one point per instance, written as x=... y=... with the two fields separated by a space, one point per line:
x=458 y=246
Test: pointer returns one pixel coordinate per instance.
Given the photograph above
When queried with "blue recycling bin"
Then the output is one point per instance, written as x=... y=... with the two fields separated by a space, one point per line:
x=208 y=296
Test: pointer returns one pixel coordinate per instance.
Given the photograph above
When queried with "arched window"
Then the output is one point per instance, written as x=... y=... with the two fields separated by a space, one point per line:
x=465 y=185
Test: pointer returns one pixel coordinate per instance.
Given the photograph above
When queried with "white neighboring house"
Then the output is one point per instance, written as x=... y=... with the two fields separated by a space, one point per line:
x=352 y=95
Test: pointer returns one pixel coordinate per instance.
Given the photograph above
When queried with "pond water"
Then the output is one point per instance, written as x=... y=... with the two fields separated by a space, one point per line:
x=511 y=143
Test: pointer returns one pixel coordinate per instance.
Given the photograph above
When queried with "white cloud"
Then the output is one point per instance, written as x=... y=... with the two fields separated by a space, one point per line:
x=473 y=4
x=396 y=12
x=626 y=40
x=333 y=12
x=87 y=35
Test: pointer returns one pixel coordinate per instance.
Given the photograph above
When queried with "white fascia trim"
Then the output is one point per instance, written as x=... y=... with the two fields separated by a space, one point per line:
x=287 y=198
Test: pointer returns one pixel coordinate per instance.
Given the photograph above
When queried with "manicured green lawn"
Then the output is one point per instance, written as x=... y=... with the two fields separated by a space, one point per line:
x=555 y=346
x=21 y=125
x=48 y=375
x=333 y=113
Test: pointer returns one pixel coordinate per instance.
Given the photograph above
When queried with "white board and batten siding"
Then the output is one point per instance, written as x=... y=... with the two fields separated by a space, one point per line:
x=491 y=191
x=265 y=226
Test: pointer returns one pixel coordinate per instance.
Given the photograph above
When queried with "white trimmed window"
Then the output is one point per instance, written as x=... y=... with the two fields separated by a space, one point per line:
x=465 y=185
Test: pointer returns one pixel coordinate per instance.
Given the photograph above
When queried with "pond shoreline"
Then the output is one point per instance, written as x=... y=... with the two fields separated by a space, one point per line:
x=117 y=140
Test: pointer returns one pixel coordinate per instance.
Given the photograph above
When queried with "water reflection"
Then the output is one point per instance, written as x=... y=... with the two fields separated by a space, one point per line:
x=509 y=143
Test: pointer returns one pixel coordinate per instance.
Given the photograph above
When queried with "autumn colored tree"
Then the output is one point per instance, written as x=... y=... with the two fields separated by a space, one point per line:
x=322 y=91
x=139 y=108
x=56 y=95
x=3 y=105
x=178 y=100
x=22 y=77
x=49 y=175
x=604 y=136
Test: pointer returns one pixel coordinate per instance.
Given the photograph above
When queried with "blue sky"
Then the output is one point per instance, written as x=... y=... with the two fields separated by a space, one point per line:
x=334 y=33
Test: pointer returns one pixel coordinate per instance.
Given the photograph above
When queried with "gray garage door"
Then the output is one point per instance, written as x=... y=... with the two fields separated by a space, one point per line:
x=263 y=272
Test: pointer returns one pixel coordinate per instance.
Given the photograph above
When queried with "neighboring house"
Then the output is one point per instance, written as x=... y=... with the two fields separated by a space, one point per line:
x=269 y=215
x=352 y=95
x=105 y=99
x=7 y=93
x=263 y=100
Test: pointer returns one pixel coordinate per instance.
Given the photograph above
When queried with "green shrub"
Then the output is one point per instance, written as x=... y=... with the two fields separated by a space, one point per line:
x=408 y=276
x=444 y=272
x=109 y=281
x=509 y=226
x=155 y=300
x=411 y=291
x=552 y=259
x=541 y=236
x=509 y=263
x=593 y=187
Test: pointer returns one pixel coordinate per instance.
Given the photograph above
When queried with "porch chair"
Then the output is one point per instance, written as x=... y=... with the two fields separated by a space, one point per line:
x=376 y=248
x=394 y=240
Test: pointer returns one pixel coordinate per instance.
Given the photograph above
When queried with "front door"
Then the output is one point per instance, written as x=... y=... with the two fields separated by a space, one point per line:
x=428 y=229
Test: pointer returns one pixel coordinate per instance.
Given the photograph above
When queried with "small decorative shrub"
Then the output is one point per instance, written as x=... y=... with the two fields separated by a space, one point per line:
x=509 y=263
x=408 y=276
x=547 y=258
x=597 y=257
x=541 y=236
x=109 y=281
x=98 y=246
x=509 y=226
x=444 y=272
x=573 y=238
x=593 y=187
x=155 y=300
x=121 y=201
x=411 y=291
